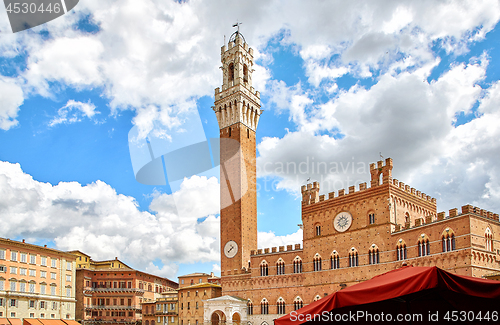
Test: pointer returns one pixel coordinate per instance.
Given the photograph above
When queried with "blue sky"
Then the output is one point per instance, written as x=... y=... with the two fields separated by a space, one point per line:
x=340 y=84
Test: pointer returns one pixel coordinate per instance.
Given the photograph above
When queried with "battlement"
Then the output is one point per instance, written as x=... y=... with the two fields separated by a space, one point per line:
x=273 y=250
x=380 y=174
x=466 y=209
x=310 y=193
x=452 y=213
x=413 y=191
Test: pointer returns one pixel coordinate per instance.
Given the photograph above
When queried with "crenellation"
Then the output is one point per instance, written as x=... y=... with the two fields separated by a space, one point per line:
x=341 y=192
x=322 y=198
x=467 y=209
x=331 y=195
x=412 y=191
x=441 y=216
x=453 y=212
x=362 y=186
x=407 y=188
x=352 y=189
x=395 y=182
x=275 y=250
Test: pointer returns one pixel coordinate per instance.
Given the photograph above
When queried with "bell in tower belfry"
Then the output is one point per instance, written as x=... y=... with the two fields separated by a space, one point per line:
x=237 y=107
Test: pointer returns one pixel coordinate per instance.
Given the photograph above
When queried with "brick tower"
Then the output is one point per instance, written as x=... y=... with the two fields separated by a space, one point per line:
x=237 y=107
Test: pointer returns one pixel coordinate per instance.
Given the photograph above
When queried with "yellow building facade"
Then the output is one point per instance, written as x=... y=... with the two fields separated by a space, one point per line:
x=36 y=281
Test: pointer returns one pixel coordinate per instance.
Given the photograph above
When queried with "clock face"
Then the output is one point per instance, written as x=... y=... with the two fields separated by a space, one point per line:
x=342 y=221
x=230 y=249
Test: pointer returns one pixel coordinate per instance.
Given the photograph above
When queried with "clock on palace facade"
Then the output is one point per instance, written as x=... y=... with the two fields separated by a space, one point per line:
x=342 y=221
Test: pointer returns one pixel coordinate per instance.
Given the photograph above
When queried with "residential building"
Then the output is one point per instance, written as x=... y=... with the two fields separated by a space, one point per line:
x=36 y=282
x=197 y=278
x=192 y=299
x=112 y=292
x=163 y=311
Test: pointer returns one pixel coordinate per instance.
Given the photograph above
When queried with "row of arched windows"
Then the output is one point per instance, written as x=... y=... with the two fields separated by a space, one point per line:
x=448 y=243
x=280 y=305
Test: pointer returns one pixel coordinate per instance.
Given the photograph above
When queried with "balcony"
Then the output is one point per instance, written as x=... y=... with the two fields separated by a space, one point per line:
x=110 y=321
x=112 y=307
x=114 y=290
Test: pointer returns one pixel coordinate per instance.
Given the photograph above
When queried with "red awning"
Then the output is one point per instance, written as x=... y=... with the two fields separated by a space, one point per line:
x=70 y=322
x=450 y=291
x=15 y=321
x=51 y=321
x=31 y=321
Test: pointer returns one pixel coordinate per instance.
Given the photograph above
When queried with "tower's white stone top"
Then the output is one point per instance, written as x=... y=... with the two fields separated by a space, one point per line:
x=238 y=101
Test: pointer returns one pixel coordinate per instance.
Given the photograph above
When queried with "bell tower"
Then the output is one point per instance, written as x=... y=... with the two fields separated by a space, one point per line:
x=237 y=107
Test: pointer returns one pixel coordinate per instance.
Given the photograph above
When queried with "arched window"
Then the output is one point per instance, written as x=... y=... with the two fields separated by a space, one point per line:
x=249 y=307
x=424 y=247
x=264 y=268
x=401 y=250
x=280 y=306
x=280 y=267
x=297 y=303
x=318 y=297
x=317 y=262
x=373 y=255
x=230 y=76
x=448 y=240
x=264 y=307
x=489 y=239
x=245 y=73
x=318 y=230
x=334 y=260
x=407 y=218
x=147 y=322
x=297 y=265
x=371 y=218
x=353 y=257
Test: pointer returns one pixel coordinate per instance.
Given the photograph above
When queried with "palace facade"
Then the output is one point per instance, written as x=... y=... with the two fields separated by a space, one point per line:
x=348 y=236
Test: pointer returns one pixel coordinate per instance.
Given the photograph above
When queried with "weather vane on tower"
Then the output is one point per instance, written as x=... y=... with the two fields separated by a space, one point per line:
x=238 y=26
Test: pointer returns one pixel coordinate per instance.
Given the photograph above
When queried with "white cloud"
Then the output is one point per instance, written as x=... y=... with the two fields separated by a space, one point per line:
x=73 y=111
x=269 y=239
x=11 y=98
x=161 y=54
x=98 y=221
